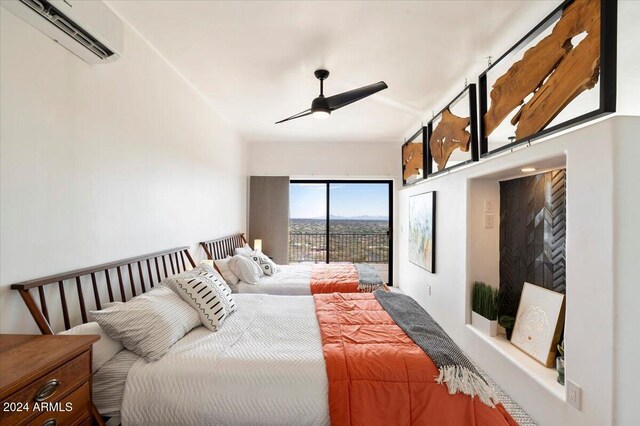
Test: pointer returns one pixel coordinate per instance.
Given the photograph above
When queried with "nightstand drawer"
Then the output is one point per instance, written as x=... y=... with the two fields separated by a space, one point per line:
x=68 y=410
x=49 y=388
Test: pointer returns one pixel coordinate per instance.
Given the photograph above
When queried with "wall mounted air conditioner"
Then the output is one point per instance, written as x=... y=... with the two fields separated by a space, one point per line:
x=89 y=29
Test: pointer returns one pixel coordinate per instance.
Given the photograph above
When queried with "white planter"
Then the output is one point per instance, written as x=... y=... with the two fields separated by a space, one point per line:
x=486 y=326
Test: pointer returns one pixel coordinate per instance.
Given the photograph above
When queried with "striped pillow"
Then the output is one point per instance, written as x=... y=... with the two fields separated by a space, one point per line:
x=209 y=296
x=148 y=324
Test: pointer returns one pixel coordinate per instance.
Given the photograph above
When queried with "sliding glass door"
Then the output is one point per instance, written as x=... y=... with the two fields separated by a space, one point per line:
x=307 y=222
x=342 y=221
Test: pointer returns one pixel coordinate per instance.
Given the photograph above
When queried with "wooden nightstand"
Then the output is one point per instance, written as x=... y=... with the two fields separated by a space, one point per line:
x=46 y=380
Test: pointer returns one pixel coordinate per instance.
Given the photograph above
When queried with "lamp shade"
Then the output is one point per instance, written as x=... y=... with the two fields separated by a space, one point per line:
x=257 y=245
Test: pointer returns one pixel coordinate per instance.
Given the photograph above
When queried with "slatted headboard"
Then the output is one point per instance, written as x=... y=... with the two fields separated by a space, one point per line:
x=163 y=263
x=223 y=247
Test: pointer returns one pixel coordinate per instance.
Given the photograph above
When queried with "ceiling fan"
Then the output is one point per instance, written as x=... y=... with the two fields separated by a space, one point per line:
x=321 y=107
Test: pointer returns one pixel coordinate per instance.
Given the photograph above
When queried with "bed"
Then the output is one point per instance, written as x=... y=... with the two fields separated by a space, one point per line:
x=300 y=278
x=108 y=283
x=277 y=360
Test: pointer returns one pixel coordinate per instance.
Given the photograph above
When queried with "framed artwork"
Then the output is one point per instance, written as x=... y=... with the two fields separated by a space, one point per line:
x=562 y=73
x=452 y=134
x=422 y=230
x=539 y=323
x=413 y=158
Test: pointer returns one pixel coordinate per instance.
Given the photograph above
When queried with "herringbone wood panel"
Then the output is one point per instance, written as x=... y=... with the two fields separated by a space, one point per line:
x=532 y=235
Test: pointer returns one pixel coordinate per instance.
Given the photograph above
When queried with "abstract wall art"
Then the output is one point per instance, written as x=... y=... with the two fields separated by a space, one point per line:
x=413 y=159
x=539 y=323
x=422 y=233
x=452 y=135
x=562 y=73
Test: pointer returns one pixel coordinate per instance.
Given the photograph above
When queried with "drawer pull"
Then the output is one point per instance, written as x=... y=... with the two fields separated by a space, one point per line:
x=47 y=390
x=50 y=422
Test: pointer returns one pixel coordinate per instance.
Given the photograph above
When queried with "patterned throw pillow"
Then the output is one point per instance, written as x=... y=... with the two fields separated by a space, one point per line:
x=171 y=282
x=267 y=265
x=213 y=276
x=209 y=296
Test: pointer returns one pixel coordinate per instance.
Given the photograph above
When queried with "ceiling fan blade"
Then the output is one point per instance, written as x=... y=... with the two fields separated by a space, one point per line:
x=346 y=98
x=298 y=115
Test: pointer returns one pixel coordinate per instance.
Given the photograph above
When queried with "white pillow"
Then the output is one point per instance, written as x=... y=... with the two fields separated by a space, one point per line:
x=267 y=265
x=149 y=324
x=244 y=250
x=228 y=275
x=207 y=262
x=246 y=269
x=209 y=296
x=104 y=349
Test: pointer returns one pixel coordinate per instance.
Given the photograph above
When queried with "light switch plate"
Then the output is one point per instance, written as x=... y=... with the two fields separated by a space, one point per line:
x=489 y=221
x=488 y=206
x=574 y=394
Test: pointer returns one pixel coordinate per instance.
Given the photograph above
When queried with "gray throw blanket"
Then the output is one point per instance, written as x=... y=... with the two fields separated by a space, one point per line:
x=456 y=371
x=368 y=278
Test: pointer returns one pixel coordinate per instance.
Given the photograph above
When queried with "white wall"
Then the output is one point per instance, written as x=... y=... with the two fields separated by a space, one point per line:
x=595 y=275
x=104 y=162
x=602 y=269
x=626 y=252
x=344 y=160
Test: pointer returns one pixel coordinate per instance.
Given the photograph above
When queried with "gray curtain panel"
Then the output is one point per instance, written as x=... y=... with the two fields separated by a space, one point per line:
x=269 y=215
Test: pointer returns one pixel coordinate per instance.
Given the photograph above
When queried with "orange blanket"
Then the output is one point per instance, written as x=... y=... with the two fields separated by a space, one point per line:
x=379 y=376
x=334 y=277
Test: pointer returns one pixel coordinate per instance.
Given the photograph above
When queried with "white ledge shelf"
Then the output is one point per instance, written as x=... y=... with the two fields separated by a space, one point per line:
x=546 y=377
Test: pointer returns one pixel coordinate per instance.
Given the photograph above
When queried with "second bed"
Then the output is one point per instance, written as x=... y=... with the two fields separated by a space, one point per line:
x=300 y=278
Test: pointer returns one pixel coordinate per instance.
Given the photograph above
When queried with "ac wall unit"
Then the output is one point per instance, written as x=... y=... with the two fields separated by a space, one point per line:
x=88 y=29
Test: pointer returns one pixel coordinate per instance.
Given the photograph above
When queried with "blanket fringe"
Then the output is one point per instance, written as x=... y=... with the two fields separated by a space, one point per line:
x=369 y=288
x=461 y=379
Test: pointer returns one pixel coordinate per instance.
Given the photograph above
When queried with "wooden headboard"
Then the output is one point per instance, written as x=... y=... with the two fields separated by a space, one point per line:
x=223 y=247
x=162 y=263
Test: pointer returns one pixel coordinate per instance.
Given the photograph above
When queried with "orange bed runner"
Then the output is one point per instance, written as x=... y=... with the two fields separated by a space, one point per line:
x=334 y=277
x=379 y=376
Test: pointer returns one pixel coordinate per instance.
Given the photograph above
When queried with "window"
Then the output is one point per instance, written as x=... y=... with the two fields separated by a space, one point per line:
x=342 y=221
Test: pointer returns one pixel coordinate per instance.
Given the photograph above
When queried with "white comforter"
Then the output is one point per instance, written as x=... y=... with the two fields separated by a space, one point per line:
x=292 y=280
x=263 y=367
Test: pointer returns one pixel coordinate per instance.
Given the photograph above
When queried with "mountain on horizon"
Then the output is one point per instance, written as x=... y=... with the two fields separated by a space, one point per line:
x=335 y=217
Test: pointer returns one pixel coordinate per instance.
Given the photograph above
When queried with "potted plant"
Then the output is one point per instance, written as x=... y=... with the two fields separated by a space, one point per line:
x=560 y=363
x=484 y=303
x=507 y=322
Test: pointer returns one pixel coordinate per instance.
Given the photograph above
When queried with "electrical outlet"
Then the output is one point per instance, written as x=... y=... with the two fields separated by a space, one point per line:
x=574 y=394
x=429 y=289
x=488 y=206
x=488 y=221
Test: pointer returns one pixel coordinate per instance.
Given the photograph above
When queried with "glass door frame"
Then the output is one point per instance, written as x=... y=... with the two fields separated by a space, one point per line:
x=327 y=183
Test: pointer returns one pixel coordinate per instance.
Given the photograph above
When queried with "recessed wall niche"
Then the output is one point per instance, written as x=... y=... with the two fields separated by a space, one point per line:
x=532 y=235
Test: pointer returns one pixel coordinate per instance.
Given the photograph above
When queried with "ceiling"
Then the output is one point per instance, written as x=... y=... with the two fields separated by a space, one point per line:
x=254 y=60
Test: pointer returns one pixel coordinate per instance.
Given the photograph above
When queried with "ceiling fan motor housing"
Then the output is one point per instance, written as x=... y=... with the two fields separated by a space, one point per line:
x=320 y=104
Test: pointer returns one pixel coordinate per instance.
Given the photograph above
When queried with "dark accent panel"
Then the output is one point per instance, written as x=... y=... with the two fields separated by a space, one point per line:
x=532 y=235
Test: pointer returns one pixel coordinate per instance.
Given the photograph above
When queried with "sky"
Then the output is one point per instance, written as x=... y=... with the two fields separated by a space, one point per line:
x=348 y=200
